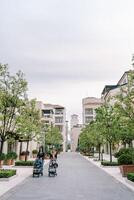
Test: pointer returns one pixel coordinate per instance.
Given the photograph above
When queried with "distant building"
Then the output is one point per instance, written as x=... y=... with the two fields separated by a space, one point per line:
x=89 y=105
x=74 y=120
x=75 y=132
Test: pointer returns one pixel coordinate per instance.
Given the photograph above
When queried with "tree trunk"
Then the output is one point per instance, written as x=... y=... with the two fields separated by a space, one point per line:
x=93 y=151
x=99 y=151
x=1 y=146
x=20 y=148
x=27 y=150
x=110 y=151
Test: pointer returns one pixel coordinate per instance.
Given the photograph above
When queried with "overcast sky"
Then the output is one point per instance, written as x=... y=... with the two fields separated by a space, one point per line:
x=68 y=49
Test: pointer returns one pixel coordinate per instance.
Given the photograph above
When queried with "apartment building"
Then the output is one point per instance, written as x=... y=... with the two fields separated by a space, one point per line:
x=111 y=91
x=55 y=115
x=89 y=105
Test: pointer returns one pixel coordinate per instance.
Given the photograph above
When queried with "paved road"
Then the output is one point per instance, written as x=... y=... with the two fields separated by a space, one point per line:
x=77 y=179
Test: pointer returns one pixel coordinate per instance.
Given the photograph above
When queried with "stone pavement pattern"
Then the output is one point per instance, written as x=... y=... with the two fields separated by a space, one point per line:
x=77 y=179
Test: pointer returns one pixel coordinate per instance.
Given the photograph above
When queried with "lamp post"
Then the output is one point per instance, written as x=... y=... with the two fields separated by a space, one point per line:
x=0 y=143
x=66 y=136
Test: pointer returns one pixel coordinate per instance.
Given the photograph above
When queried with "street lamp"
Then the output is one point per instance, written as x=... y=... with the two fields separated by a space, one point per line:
x=66 y=136
x=0 y=142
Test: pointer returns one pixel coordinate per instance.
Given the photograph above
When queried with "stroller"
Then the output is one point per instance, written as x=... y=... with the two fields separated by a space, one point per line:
x=38 y=167
x=52 y=168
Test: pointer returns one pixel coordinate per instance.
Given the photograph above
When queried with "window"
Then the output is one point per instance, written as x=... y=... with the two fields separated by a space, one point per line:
x=89 y=111
x=58 y=119
x=59 y=111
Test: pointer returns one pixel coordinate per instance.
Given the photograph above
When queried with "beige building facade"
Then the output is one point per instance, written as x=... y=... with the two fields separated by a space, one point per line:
x=89 y=105
x=75 y=131
x=110 y=92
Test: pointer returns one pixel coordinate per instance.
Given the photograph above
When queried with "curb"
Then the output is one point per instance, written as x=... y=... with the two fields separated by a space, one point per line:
x=8 y=179
x=127 y=183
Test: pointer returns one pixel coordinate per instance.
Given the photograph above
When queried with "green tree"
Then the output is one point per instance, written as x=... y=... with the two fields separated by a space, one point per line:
x=91 y=137
x=97 y=136
x=28 y=122
x=108 y=122
x=53 y=137
x=85 y=140
x=124 y=105
x=12 y=95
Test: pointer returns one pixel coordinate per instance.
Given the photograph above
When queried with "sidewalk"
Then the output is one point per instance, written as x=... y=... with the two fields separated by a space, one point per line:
x=22 y=174
x=112 y=171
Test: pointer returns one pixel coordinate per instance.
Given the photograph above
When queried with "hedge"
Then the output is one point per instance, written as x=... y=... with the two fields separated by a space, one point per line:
x=124 y=151
x=24 y=163
x=125 y=159
x=130 y=176
x=108 y=163
x=6 y=173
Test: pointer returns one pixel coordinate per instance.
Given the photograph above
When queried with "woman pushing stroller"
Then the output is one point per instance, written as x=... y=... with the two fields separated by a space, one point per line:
x=38 y=164
x=52 y=165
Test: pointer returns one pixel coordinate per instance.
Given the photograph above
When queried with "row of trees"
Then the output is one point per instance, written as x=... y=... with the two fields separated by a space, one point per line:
x=19 y=116
x=114 y=122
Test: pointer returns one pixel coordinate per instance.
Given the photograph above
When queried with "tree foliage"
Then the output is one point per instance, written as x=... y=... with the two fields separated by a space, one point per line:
x=12 y=95
x=53 y=137
x=124 y=107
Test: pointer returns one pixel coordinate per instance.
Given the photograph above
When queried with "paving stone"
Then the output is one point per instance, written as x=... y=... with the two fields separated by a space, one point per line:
x=77 y=179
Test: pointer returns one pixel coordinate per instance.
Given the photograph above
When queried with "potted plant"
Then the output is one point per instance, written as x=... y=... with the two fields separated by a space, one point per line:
x=23 y=155
x=126 y=164
x=14 y=157
x=34 y=152
x=8 y=158
x=2 y=158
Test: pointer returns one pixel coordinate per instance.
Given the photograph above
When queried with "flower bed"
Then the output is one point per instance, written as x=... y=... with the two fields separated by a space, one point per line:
x=7 y=173
x=108 y=163
x=24 y=163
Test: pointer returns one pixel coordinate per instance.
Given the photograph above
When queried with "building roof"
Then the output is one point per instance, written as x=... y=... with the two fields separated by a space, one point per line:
x=107 y=88
x=91 y=100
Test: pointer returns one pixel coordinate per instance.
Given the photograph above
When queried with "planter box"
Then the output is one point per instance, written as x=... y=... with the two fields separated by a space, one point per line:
x=8 y=179
x=22 y=157
x=125 y=169
x=1 y=163
x=8 y=162
x=34 y=155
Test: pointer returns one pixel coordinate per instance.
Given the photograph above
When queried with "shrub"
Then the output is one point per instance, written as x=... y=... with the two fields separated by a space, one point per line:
x=8 y=156
x=24 y=163
x=34 y=151
x=108 y=163
x=6 y=173
x=125 y=159
x=2 y=156
x=123 y=151
x=13 y=155
x=130 y=176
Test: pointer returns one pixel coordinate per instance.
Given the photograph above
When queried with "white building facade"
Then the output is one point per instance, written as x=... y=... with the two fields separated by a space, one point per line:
x=54 y=115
